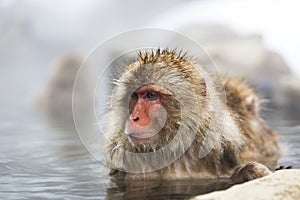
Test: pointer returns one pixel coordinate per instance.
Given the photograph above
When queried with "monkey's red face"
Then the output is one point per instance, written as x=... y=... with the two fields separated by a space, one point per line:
x=147 y=115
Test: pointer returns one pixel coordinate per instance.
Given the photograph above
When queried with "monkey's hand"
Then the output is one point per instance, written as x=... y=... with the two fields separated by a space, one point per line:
x=248 y=172
x=284 y=167
x=117 y=174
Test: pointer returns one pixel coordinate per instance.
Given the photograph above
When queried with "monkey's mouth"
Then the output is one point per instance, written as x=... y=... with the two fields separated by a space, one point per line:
x=142 y=134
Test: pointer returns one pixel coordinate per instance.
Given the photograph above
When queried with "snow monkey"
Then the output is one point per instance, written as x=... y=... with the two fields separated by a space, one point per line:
x=167 y=120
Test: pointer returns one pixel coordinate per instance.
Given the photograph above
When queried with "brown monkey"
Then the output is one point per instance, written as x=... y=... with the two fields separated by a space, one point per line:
x=169 y=120
x=55 y=102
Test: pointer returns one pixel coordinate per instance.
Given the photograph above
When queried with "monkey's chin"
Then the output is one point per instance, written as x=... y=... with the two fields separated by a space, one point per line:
x=143 y=140
x=141 y=136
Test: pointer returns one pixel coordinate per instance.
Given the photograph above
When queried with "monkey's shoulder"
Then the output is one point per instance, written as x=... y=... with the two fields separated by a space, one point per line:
x=240 y=96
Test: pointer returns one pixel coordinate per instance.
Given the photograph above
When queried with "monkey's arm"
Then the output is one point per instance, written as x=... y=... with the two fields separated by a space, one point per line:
x=248 y=172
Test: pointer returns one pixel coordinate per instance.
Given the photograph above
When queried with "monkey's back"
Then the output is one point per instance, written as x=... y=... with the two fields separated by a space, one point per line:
x=262 y=145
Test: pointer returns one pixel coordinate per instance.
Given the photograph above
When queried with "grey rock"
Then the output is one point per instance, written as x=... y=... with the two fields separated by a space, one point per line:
x=283 y=184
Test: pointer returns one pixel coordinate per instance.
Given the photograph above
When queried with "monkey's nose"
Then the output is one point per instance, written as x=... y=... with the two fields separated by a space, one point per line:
x=136 y=119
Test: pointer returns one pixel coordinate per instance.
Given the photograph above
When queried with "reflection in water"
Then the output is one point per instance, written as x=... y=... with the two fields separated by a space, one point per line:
x=164 y=189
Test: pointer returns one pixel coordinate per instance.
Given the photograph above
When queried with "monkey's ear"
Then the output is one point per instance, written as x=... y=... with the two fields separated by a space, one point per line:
x=252 y=105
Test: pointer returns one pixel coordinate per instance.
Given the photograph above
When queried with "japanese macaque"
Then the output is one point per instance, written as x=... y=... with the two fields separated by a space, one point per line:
x=172 y=119
x=56 y=100
x=57 y=97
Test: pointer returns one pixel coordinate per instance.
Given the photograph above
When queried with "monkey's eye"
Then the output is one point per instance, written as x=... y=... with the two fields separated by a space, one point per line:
x=151 y=95
x=134 y=96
